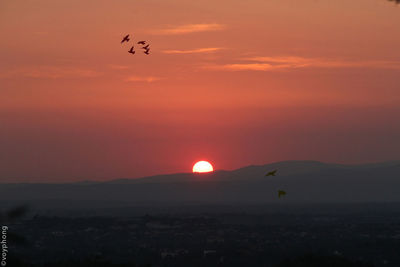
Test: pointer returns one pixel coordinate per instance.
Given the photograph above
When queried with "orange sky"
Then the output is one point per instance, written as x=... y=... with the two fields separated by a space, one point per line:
x=235 y=82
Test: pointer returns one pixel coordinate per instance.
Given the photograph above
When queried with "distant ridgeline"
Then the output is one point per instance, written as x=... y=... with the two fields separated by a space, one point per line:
x=304 y=182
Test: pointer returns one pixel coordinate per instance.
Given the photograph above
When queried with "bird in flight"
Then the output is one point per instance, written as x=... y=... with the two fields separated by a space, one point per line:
x=142 y=42
x=131 y=51
x=271 y=173
x=281 y=193
x=146 y=47
x=126 y=39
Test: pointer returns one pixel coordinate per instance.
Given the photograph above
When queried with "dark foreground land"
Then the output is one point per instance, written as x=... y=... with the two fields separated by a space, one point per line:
x=251 y=236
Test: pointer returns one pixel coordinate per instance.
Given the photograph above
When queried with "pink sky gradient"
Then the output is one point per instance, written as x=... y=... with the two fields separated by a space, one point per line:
x=233 y=82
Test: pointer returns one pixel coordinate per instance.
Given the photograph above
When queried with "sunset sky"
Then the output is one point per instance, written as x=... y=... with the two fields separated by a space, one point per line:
x=233 y=82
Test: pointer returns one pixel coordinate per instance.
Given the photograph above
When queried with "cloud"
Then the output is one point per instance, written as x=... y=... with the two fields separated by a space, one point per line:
x=194 y=51
x=281 y=60
x=190 y=28
x=51 y=72
x=303 y=62
x=285 y=63
x=148 y=79
x=249 y=66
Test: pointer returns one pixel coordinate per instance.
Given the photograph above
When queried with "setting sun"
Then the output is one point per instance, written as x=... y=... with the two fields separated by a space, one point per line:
x=203 y=166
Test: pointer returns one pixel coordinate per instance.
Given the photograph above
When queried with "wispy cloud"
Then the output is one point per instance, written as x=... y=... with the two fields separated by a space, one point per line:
x=190 y=28
x=148 y=79
x=50 y=72
x=193 y=51
x=302 y=62
x=285 y=63
x=241 y=66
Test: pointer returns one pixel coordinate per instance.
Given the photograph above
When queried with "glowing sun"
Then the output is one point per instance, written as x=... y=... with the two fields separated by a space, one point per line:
x=203 y=166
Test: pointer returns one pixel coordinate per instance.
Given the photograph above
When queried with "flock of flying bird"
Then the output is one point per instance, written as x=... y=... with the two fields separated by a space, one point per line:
x=145 y=46
x=280 y=192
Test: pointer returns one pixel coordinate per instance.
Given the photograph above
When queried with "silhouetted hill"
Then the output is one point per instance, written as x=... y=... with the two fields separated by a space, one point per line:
x=257 y=172
x=304 y=182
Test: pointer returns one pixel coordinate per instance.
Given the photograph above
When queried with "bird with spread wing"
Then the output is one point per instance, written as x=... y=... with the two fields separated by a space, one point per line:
x=271 y=173
x=125 y=39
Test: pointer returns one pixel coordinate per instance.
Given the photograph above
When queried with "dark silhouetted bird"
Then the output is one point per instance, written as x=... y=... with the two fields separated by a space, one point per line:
x=131 y=51
x=142 y=42
x=146 y=47
x=272 y=173
x=281 y=193
x=126 y=39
